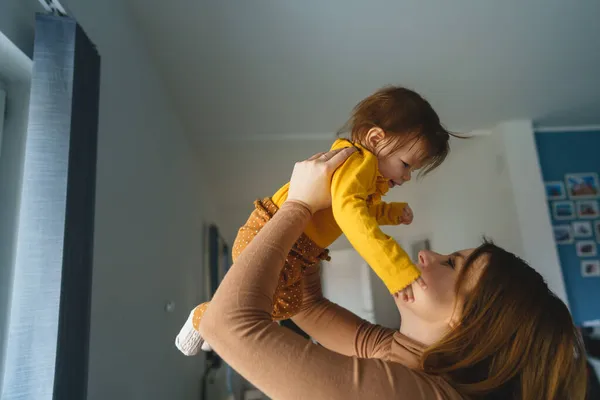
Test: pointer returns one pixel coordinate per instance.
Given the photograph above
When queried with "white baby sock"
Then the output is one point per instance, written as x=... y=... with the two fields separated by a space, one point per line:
x=189 y=341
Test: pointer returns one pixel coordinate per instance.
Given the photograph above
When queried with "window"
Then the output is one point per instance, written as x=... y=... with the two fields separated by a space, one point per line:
x=15 y=77
x=48 y=243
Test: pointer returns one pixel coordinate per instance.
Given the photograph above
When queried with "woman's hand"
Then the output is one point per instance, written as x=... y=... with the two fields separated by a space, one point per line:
x=311 y=179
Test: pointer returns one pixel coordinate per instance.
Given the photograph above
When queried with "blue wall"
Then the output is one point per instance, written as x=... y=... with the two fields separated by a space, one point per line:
x=560 y=154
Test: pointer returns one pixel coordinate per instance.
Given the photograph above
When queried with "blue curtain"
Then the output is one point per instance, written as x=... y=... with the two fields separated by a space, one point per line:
x=49 y=325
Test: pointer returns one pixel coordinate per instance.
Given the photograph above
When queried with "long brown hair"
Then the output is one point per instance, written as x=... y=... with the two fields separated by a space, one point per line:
x=515 y=340
x=405 y=117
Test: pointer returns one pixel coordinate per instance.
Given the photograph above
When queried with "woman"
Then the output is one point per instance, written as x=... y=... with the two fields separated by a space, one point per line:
x=487 y=326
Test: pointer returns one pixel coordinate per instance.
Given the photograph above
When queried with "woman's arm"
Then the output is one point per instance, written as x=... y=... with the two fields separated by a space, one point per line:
x=335 y=327
x=276 y=360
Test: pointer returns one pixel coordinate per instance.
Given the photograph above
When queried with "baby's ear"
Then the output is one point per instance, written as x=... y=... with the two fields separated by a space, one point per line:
x=374 y=136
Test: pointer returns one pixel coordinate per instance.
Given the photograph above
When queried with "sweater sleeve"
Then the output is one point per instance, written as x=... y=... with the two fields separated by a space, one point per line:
x=349 y=192
x=282 y=364
x=387 y=213
x=337 y=328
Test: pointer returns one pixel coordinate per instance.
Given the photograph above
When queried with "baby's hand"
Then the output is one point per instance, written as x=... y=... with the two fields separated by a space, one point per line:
x=407 y=216
x=407 y=294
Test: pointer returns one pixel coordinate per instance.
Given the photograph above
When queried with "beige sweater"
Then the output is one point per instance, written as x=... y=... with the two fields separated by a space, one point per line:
x=354 y=360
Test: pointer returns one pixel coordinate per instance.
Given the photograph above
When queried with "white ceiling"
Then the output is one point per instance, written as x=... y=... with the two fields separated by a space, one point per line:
x=284 y=66
x=258 y=70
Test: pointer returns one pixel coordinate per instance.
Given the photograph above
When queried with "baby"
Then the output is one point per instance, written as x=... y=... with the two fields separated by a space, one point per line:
x=395 y=132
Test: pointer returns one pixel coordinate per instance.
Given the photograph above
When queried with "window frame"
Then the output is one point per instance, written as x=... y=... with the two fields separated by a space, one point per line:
x=2 y=111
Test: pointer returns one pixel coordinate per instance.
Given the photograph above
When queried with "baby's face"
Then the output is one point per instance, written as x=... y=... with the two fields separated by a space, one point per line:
x=397 y=166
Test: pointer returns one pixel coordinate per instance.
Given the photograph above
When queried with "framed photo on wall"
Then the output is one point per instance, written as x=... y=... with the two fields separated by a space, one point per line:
x=586 y=248
x=562 y=210
x=555 y=190
x=588 y=209
x=590 y=268
x=563 y=234
x=582 y=229
x=597 y=230
x=582 y=186
x=217 y=259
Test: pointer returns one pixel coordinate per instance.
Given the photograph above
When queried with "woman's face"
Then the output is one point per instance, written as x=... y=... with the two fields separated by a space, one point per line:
x=438 y=303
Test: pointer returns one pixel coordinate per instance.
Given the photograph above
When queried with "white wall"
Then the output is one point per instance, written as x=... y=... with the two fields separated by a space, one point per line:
x=346 y=281
x=384 y=307
x=17 y=20
x=531 y=205
x=150 y=208
x=151 y=205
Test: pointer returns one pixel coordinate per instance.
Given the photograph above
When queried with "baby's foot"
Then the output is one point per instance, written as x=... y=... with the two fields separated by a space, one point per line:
x=205 y=346
x=189 y=341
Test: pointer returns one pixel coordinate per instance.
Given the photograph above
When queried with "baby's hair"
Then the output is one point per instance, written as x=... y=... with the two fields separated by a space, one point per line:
x=405 y=117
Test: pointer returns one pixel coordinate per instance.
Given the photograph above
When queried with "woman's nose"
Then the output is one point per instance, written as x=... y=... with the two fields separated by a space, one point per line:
x=426 y=257
x=422 y=257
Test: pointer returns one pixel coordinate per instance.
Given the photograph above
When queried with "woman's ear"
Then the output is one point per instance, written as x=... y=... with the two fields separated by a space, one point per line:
x=374 y=137
x=453 y=324
x=454 y=320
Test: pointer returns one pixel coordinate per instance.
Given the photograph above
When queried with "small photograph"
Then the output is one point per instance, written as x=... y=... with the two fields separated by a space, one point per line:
x=597 y=230
x=582 y=229
x=590 y=268
x=563 y=234
x=586 y=248
x=588 y=209
x=582 y=186
x=563 y=210
x=555 y=190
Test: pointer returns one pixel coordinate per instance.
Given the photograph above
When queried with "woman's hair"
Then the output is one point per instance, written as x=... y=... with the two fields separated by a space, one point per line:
x=405 y=117
x=515 y=339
